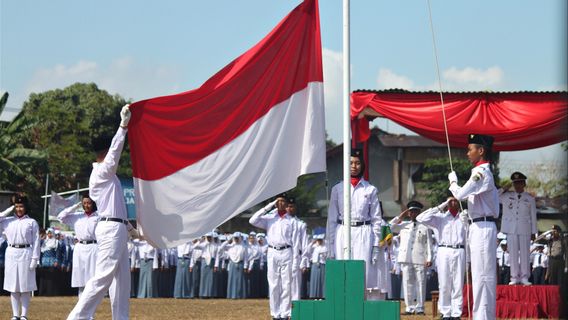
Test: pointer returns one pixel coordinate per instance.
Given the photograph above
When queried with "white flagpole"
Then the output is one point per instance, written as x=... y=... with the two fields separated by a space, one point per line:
x=45 y=200
x=346 y=133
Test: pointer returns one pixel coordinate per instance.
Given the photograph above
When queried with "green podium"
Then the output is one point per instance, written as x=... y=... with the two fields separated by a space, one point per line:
x=345 y=297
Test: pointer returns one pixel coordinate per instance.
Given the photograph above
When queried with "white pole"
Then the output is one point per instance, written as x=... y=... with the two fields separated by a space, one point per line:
x=45 y=200
x=67 y=192
x=346 y=133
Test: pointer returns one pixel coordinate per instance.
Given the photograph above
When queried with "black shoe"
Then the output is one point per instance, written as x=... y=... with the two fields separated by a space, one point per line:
x=15 y=318
x=421 y=313
x=408 y=313
x=447 y=318
x=455 y=318
x=24 y=318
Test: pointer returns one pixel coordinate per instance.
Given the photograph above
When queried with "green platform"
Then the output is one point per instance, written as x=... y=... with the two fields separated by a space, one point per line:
x=345 y=297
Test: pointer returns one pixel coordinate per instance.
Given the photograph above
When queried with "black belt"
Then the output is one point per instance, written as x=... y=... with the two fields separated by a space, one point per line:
x=19 y=246
x=457 y=246
x=356 y=223
x=281 y=247
x=114 y=220
x=486 y=218
x=87 y=241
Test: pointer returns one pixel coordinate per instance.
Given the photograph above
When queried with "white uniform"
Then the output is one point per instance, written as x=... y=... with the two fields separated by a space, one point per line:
x=112 y=271
x=365 y=229
x=296 y=270
x=22 y=231
x=415 y=249
x=482 y=201
x=450 y=260
x=85 y=251
x=518 y=223
x=284 y=243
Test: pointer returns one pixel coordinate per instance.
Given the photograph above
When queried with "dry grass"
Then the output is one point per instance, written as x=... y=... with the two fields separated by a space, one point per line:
x=47 y=308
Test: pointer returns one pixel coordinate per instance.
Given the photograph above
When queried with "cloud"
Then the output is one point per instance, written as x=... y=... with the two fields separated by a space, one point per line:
x=387 y=79
x=469 y=76
x=125 y=76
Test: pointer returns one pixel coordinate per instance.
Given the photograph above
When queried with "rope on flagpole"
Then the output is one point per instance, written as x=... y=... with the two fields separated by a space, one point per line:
x=448 y=140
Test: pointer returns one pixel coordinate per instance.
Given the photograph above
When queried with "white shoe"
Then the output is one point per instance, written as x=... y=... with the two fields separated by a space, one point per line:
x=512 y=283
x=526 y=282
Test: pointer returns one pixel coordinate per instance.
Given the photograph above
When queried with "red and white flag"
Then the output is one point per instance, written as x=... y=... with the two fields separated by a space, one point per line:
x=203 y=156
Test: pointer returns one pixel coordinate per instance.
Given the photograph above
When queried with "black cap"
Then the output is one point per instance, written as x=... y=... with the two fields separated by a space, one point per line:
x=101 y=143
x=282 y=195
x=481 y=139
x=517 y=176
x=21 y=199
x=557 y=228
x=357 y=153
x=414 y=205
x=292 y=200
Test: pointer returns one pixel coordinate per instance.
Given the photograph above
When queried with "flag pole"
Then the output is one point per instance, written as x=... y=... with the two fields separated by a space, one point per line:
x=346 y=133
x=45 y=200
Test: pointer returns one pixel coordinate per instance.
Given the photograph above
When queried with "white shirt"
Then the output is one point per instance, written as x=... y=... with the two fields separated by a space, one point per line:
x=236 y=252
x=480 y=192
x=104 y=186
x=415 y=241
x=208 y=250
x=83 y=224
x=24 y=230
x=503 y=258
x=364 y=207
x=146 y=252
x=543 y=260
x=451 y=230
x=318 y=253
x=519 y=213
x=184 y=250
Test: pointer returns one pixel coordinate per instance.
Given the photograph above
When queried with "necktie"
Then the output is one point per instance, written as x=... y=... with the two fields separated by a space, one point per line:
x=519 y=196
x=539 y=256
x=502 y=258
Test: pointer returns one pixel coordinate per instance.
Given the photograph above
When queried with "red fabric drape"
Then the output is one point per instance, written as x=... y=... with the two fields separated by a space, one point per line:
x=518 y=121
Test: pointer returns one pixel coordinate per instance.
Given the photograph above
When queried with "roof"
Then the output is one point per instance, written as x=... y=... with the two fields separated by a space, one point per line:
x=398 y=90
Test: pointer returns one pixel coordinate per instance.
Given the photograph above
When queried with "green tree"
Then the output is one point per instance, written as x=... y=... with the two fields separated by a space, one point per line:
x=435 y=177
x=62 y=123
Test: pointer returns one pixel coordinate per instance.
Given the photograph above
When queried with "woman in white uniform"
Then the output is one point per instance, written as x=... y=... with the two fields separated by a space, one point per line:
x=22 y=255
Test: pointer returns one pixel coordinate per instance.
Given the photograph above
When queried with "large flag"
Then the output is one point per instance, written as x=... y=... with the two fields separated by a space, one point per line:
x=57 y=203
x=203 y=156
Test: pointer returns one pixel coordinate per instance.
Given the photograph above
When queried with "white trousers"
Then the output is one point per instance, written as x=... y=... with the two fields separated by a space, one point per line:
x=519 y=251
x=279 y=274
x=296 y=284
x=361 y=249
x=483 y=248
x=84 y=264
x=112 y=273
x=414 y=285
x=451 y=268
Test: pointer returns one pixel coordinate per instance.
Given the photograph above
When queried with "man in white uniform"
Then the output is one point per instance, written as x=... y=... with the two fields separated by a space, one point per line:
x=85 y=252
x=450 y=261
x=22 y=255
x=283 y=248
x=112 y=272
x=414 y=256
x=483 y=209
x=365 y=220
x=297 y=270
x=518 y=223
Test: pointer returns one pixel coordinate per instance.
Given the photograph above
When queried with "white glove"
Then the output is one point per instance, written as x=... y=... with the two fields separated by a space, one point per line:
x=375 y=255
x=464 y=217
x=124 y=116
x=33 y=264
x=269 y=206
x=442 y=207
x=78 y=205
x=453 y=177
x=7 y=212
x=565 y=269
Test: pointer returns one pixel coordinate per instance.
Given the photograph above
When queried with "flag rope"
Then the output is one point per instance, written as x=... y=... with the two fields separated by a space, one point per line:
x=437 y=65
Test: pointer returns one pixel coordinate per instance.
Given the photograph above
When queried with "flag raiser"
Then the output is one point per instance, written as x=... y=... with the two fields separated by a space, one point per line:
x=203 y=156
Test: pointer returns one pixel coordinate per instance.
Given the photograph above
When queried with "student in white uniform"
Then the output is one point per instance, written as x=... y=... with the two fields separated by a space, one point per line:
x=414 y=256
x=238 y=263
x=297 y=270
x=22 y=256
x=83 y=223
x=149 y=263
x=483 y=209
x=283 y=248
x=365 y=220
x=518 y=223
x=450 y=259
x=317 y=253
x=504 y=263
x=112 y=273
x=539 y=264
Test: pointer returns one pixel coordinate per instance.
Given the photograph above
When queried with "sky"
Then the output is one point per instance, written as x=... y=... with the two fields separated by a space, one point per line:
x=143 y=49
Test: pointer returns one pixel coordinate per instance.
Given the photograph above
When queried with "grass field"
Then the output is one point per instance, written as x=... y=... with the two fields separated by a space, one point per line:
x=57 y=308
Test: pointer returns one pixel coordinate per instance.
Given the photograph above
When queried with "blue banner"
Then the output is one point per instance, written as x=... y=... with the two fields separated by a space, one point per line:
x=128 y=190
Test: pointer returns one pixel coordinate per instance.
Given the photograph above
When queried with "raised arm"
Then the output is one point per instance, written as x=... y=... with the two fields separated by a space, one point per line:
x=66 y=215
x=256 y=219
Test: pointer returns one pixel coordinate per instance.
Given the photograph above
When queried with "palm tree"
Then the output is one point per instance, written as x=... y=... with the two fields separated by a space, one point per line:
x=16 y=162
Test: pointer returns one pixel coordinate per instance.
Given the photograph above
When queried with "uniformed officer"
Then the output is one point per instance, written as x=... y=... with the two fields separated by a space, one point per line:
x=518 y=223
x=450 y=260
x=414 y=255
x=283 y=248
x=365 y=220
x=22 y=256
x=83 y=223
x=539 y=264
x=483 y=209
x=503 y=261
x=297 y=271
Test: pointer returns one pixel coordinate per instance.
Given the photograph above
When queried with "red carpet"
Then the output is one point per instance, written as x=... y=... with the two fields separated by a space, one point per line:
x=521 y=302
